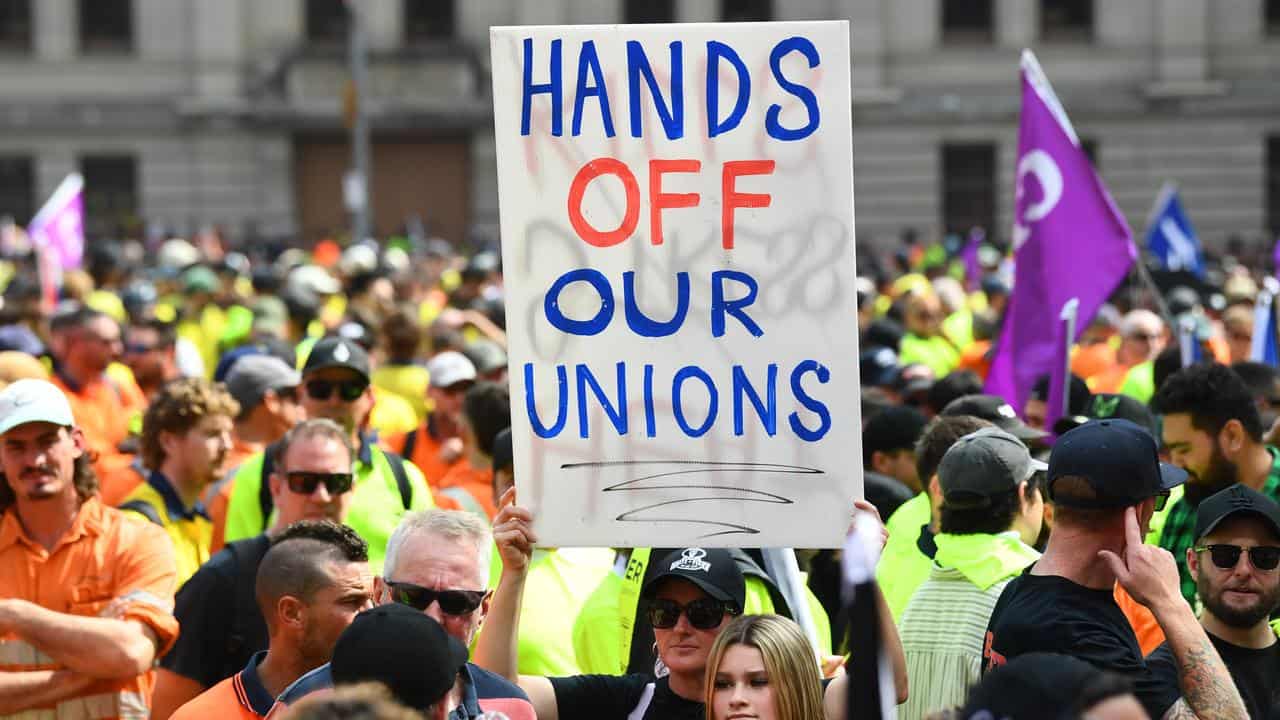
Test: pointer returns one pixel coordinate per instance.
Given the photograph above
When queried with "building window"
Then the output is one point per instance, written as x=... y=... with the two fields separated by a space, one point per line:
x=110 y=194
x=968 y=187
x=426 y=21
x=746 y=10
x=649 y=11
x=1066 y=20
x=1273 y=184
x=17 y=189
x=15 y=26
x=326 y=22
x=967 y=21
x=106 y=26
x=1273 y=17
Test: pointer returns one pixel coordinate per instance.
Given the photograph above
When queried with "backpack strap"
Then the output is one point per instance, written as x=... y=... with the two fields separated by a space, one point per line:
x=143 y=508
x=243 y=601
x=410 y=442
x=265 y=503
x=402 y=477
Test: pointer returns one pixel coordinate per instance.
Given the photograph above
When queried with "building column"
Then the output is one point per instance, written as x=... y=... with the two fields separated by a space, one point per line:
x=56 y=30
x=1181 y=41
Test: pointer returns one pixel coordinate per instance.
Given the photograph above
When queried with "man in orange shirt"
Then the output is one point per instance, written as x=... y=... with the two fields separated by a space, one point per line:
x=311 y=584
x=88 y=590
x=87 y=342
x=486 y=411
x=436 y=446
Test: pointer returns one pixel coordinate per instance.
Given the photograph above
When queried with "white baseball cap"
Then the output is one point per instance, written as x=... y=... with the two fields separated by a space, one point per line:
x=27 y=401
x=449 y=368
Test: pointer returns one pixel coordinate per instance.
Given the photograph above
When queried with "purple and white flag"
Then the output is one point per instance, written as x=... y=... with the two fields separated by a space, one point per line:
x=1069 y=241
x=58 y=229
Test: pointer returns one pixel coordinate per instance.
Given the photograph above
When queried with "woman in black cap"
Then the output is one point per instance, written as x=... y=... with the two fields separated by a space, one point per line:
x=696 y=592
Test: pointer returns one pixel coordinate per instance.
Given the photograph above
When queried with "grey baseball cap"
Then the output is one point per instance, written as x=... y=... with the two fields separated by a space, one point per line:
x=253 y=375
x=984 y=464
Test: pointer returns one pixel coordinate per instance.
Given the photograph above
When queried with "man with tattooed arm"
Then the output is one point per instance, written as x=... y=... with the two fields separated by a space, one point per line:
x=1105 y=481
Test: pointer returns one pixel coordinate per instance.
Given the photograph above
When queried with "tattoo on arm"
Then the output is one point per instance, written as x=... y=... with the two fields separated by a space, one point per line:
x=1207 y=689
x=1179 y=711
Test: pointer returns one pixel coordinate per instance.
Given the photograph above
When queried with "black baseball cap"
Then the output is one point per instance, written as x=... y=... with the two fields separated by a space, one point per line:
x=878 y=367
x=996 y=411
x=897 y=427
x=1118 y=458
x=983 y=465
x=713 y=570
x=1111 y=405
x=1235 y=500
x=338 y=352
x=401 y=648
x=1037 y=686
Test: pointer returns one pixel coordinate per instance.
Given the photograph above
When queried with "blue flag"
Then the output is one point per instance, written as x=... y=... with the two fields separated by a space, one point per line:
x=1170 y=236
x=1266 y=348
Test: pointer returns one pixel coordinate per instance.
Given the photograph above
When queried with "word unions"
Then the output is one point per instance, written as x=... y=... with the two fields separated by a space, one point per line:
x=740 y=389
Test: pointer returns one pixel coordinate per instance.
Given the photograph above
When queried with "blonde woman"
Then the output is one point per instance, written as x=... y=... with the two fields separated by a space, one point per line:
x=763 y=666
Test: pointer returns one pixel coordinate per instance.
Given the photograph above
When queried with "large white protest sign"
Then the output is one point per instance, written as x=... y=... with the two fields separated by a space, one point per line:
x=677 y=230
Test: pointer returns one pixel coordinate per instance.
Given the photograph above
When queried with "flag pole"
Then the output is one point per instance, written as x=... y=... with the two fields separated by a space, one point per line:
x=1070 y=313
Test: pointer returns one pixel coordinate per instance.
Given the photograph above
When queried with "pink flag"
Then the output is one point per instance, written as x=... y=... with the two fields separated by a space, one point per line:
x=57 y=231
x=1069 y=241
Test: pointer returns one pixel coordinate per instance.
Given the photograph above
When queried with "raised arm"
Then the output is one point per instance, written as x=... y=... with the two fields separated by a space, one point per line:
x=497 y=647
x=98 y=647
x=1150 y=576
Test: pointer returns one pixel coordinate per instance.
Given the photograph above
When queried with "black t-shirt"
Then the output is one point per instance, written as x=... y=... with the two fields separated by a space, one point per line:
x=1047 y=613
x=1256 y=673
x=213 y=643
x=615 y=697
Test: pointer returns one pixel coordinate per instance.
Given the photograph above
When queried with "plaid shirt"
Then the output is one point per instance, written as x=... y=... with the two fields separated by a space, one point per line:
x=1180 y=527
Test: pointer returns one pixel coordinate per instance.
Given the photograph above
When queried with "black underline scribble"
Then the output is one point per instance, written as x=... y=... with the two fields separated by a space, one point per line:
x=697 y=467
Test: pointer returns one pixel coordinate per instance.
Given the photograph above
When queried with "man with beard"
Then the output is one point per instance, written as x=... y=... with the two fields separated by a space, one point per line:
x=1236 y=564
x=1211 y=430
x=186 y=435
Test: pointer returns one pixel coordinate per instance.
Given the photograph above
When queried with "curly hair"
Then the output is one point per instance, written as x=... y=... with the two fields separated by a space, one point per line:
x=180 y=406
x=1212 y=395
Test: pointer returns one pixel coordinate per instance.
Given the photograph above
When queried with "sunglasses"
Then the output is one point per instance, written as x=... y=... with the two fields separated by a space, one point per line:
x=305 y=483
x=348 y=390
x=703 y=614
x=452 y=602
x=1263 y=557
x=139 y=348
x=1161 y=500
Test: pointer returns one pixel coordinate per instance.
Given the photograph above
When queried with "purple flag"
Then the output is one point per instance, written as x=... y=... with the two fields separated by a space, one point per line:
x=1069 y=241
x=1275 y=258
x=58 y=229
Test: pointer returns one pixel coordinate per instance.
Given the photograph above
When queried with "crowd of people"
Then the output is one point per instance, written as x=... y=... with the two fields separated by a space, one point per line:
x=280 y=484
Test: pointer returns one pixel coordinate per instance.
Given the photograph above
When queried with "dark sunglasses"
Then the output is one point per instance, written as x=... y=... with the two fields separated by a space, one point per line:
x=288 y=394
x=348 y=390
x=305 y=483
x=452 y=602
x=1263 y=557
x=703 y=613
x=1161 y=500
x=139 y=348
